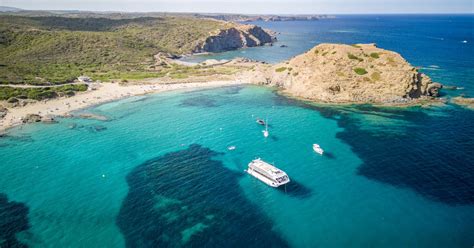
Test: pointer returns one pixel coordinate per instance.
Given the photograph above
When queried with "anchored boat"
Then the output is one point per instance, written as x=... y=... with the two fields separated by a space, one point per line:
x=318 y=149
x=267 y=173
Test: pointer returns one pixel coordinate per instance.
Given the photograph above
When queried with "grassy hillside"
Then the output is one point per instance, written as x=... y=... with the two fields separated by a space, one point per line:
x=54 y=49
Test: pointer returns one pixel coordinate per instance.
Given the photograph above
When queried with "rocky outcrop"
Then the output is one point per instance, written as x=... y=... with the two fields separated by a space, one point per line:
x=3 y=111
x=343 y=73
x=234 y=38
x=31 y=118
x=93 y=116
x=48 y=119
x=433 y=89
x=464 y=101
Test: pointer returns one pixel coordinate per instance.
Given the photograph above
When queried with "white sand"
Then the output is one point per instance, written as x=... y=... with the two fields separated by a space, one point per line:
x=105 y=93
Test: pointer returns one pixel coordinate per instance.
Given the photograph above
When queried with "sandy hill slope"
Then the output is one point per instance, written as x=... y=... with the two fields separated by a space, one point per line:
x=350 y=73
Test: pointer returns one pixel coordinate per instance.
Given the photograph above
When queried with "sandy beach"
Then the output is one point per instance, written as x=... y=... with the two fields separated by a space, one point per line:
x=104 y=93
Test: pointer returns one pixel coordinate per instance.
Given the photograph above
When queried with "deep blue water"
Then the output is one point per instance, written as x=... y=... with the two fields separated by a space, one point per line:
x=158 y=172
x=432 y=42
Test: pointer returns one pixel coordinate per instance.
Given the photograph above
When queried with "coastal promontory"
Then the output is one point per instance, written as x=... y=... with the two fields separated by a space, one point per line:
x=234 y=37
x=337 y=73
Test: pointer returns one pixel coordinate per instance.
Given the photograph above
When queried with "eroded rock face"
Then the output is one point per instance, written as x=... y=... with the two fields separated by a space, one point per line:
x=343 y=73
x=234 y=38
x=30 y=118
x=3 y=112
x=433 y=89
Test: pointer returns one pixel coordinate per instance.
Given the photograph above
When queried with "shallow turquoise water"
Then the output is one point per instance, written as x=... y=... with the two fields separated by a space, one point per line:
x=159 y=172
x=91 y=183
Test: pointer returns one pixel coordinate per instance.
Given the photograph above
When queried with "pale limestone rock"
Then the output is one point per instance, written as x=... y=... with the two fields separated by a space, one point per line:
x=340 y=73
x=235 y=37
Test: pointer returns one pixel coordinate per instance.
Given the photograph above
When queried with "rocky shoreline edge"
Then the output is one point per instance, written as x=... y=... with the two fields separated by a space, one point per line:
x=328 y=74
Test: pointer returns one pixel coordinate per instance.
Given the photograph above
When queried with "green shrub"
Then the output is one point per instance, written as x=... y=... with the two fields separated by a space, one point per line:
x=360 y=71
x=280 y=69
x=38 y=50
x=39 y=93
x=375 y=55
x=352 y=56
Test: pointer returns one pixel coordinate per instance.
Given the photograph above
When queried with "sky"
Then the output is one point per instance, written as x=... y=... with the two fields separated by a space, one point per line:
x=253 y=6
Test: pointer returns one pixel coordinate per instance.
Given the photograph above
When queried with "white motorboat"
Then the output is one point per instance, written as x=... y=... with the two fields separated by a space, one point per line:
x=318 y=149
x=267 y=173
x=231 y=148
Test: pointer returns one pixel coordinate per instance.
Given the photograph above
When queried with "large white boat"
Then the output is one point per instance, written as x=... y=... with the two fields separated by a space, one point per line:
x=267 y=173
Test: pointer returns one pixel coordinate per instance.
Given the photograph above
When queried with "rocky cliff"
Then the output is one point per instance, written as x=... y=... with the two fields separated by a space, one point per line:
x=349 y=73
x=235 y=37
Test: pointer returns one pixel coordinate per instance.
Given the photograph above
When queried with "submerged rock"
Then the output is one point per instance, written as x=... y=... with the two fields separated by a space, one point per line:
x=93 y=116
x=48 y=119
x=99 y=128
x=165 y=207
x=464 y=101
x=13 y=220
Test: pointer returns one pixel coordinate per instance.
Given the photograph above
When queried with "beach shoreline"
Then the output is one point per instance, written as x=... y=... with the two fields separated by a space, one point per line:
x=106 y=92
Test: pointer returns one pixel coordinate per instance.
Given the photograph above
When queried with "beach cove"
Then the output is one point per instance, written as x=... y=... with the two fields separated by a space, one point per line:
x=156 y=169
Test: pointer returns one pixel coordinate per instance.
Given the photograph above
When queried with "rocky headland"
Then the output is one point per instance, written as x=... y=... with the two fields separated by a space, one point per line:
x=235 y=37
x=336 y=73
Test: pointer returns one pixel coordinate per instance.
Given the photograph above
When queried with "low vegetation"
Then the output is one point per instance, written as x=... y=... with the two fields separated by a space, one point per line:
x=12 y=94
x=55 y=50
x=375 y=55
x=280 y=69
x=360 y=71
x=352 y=56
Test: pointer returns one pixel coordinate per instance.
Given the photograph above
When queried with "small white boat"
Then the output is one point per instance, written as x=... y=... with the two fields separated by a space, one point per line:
x=260 y=121
x=231 y=148
x=464 y=41
x=318 y=149
x=267 y=173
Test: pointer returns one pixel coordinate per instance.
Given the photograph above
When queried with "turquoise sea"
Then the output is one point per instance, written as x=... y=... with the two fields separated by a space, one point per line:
x=158 y=173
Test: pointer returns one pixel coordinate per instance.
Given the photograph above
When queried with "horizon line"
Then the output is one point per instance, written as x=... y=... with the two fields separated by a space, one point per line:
x=234 y=13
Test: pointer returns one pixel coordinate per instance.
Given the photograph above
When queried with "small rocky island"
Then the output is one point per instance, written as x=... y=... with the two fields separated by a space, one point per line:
x=336 y=73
